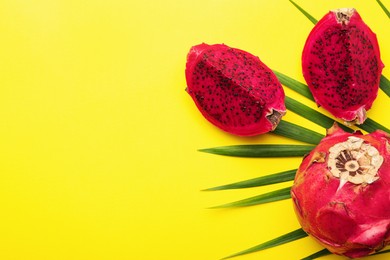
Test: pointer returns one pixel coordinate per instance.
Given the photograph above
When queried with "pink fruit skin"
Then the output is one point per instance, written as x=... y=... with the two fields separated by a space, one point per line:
x=353 y=220
x=342 y=66
x=234 y=90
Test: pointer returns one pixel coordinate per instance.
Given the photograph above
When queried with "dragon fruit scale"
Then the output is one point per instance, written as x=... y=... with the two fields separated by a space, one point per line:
x=234 y=90
x=341 y=192
x=342 y=66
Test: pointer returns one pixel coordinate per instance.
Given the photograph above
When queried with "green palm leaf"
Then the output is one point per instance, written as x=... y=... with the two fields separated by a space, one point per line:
x=325 y=252
x=261 y=150
x=297 y=132
x=370 y=126
x=289 y=237
x=311 y=18
x=272 y=196
x=311 y=114
x=384 y=84
x=294 y=85
x=259 y=181
x=382 y=252
x=384 y=8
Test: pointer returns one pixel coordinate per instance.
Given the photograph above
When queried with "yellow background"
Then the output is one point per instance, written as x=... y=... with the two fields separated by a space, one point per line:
x=99 y=140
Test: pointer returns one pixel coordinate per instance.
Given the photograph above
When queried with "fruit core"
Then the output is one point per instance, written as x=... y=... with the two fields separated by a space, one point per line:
x=354 y=161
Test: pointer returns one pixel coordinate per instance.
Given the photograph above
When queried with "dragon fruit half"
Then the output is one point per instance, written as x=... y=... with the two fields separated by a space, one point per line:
x=342 y=66
x=234 y=90
x=341 y=192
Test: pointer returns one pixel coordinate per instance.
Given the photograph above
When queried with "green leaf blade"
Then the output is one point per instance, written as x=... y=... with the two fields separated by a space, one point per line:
x=325 y=252
x=311 y=114
x=382 y=252
x=384 y=8
x=294 y=85
x=268 y=197
x=308 y=16
x=289 y=237
x=384 y=85
x=261 y=150
x=296 y=132
x=370 y=126
x=257 y=182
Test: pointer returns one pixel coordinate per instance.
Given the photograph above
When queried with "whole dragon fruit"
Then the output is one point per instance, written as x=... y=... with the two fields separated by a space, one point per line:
x=341 y=192
x=342 y=66
x=234 y=90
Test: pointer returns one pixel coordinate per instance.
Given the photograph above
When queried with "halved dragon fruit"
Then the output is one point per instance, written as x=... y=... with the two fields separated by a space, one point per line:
x=341 y=192
x=234 y=90
x=342 y=66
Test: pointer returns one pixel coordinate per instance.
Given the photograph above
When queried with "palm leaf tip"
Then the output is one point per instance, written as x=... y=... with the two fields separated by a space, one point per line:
x=289 y=237
x=268 y=197
x=308 y=16
x=318 y=254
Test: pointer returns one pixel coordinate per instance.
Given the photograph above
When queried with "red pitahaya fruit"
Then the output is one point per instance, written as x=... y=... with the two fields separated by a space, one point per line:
x=234 y=90
x=342 y=66
x=341 y=192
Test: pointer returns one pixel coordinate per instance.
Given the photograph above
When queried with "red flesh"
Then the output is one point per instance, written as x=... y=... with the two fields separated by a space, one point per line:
x=342 y=66
x=234 y=90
